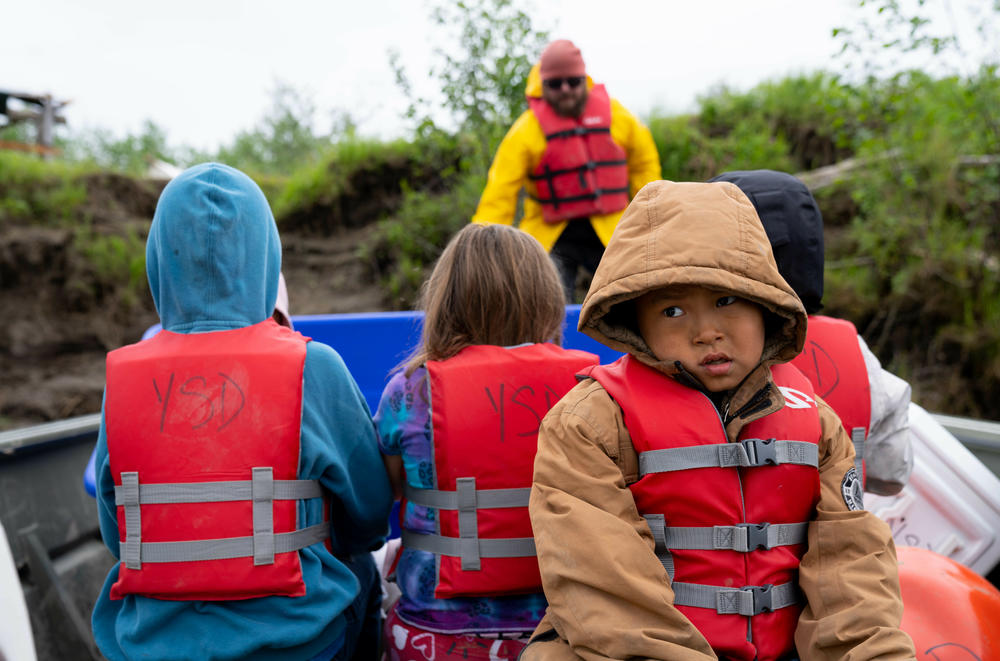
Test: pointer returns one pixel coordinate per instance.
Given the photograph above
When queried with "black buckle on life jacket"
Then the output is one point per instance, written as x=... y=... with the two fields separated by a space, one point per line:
x=761 y=598
x=756 y=535
x=761 y=452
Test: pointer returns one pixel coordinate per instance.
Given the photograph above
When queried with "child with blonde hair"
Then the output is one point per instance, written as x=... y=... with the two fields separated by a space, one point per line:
x=457 y=427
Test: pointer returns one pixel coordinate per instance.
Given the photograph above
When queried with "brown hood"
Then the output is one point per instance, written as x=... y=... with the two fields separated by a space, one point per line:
x=689 y=234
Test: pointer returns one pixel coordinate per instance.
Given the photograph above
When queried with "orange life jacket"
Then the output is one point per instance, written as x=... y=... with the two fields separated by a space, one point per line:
x=203 y=442
x=487 y=403
x=583 y=171
x=832 y=361
x=729 y=519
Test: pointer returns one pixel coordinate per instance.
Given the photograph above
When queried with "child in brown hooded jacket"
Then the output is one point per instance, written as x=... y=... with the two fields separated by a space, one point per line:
x=696 y=499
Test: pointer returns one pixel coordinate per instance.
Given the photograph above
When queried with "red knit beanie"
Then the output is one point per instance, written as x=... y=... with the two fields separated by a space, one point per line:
x=561 y=59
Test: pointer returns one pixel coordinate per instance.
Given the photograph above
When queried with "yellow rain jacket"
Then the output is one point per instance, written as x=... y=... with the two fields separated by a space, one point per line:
x=522 y=149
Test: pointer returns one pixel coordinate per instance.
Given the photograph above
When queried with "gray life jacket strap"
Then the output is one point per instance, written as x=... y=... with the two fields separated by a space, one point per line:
x=467 y=500
x=217 y=492
x=748 y=601
x=485 y=498
x=750 y=452
x=130 y=549
x=263 y=516
x=468 y=524
x=743 y=537
x=658 y=527
x=230 y=547
x=511 y=547
x=858 y=441
x=261 y=490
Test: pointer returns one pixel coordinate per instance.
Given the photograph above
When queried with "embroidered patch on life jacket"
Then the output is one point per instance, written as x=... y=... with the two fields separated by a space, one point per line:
x=853 y=493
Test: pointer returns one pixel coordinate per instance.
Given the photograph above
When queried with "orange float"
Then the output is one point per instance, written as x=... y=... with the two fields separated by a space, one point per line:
x=951 y=612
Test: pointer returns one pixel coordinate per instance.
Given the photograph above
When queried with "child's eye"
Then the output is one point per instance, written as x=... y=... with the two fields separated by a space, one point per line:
x=724 y=301
x=673 y=311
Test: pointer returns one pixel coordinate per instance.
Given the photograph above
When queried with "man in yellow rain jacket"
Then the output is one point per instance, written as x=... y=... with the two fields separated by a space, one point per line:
x=580 y=156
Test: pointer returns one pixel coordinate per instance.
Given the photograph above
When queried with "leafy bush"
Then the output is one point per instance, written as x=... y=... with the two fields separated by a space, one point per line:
x=283 y=140
x=359 y=180
x=37 y=192
x=793 y=124
x=407 y=242
x=483 y=85
x=928 y=229
x=131 y=154
x=326 y=180
x=113 y=266
x=913 y=229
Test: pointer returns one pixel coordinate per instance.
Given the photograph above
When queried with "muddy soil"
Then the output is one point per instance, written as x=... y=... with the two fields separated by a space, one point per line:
x=58 y=327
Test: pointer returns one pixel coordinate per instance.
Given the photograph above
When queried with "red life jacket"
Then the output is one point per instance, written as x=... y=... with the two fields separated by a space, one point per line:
x=487 y=403
x=832 y=361
x=203 y=441
x=729 y=519
x=583 y=171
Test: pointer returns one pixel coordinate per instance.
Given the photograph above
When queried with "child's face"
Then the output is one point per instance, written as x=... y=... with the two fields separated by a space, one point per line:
x=717 y=337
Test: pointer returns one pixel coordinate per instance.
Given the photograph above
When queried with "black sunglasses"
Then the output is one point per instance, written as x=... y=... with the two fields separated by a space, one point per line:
x=557 y=83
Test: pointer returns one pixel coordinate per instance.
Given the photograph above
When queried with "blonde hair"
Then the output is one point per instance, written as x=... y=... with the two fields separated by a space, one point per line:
x=493 y=284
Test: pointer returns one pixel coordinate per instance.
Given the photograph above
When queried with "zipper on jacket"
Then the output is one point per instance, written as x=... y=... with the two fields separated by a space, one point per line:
x=688 y=379
x=756 y=403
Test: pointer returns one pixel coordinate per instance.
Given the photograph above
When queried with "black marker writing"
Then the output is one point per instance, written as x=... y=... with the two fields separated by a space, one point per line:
x=824 y=386
x=498 y=409
x=228 y=394
x=194 y=393
x=952 y=652
x=538 y=418
x=164 y=400
x=239 y=408
x=527 y=398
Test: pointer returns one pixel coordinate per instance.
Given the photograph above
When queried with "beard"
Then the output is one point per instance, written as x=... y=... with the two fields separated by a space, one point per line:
x=572 y=107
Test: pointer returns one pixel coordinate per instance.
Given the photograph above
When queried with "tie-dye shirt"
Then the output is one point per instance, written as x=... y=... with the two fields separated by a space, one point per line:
x=404 y=428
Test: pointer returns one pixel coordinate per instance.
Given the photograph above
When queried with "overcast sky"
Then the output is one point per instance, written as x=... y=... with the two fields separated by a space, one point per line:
x=205 y=69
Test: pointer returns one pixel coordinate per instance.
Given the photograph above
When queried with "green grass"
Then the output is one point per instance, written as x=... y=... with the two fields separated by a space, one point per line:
x=334 y=175
x=112 y=266
x=38 y=192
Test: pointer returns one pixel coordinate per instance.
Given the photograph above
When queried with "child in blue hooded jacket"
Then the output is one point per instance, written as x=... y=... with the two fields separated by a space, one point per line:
x=239 y=481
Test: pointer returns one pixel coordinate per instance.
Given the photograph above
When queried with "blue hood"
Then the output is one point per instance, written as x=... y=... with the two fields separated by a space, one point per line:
x=213 y=253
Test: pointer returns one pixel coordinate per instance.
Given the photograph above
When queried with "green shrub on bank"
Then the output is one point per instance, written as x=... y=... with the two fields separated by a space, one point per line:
x=913 y=229
x=38 y=192
x=113 y=266
x=927 y=226
x=358 y=179
x=325 y=180
x=793 y=124
x=407 y=242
